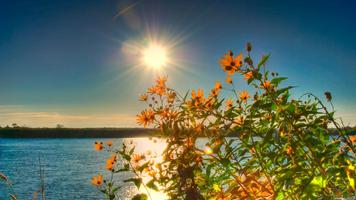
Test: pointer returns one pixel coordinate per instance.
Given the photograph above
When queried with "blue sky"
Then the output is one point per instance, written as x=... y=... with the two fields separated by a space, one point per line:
x=71 y=62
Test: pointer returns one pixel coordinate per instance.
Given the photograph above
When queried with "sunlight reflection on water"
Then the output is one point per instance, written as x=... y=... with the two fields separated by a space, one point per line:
x=69 y=165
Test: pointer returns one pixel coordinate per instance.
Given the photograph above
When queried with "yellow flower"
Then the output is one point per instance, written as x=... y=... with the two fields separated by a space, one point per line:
x=97 y=180
x=229 y=64
x=244 y=96
x=208 y=150
x=216 y=187
x=248 y=75
x=229 y=103
x=98 y=146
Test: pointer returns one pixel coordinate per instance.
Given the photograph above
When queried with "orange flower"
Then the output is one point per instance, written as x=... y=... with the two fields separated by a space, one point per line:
x=165 y=113
x=143 y=97
x=224 y=197
x=200 y=93
x=190 y=142
x=218 y=85
x=109 y=166
x=199 y=128
x=228 y=80
x=289 y=150
x=229 y=103
x=266 y=84
x=98 y=146
x=160 y=90
x=111 y=162
x=214 y=92
x=109 y=143
x=252 y=150
x=239 y=120
x=353 y=138
x=229 y=64
x=217 y=142
x=244 y=96
x=137 y=158
x=146 y=117
x=151 y=90
x=161 y=81
x=97 y=180
x=171 y=97
x=248 y=75
x=198 y=98
x=209 y=103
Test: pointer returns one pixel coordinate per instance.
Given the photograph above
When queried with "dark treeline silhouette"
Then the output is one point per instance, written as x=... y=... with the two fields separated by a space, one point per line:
x=25 y=132
x=22 y=132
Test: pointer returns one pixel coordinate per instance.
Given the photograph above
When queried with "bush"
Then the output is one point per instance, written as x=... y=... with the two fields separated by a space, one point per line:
x=264 y=145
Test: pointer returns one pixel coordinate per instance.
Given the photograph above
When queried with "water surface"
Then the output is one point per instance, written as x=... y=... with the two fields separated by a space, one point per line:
x=68 y=166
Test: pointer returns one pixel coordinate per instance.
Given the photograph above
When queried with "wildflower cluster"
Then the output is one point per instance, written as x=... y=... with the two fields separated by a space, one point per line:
x=137 y=167
x=259 y=143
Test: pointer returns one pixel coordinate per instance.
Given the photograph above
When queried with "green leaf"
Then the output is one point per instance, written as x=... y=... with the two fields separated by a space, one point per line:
x=143 y=166
x=319 y=181
x=115 y=189
x=263 y=60
x=140 y=197
x=208 y=170
x=283 y=90
x=278 y=80
x=151 y=185
x=136 y=181
x=132 y=150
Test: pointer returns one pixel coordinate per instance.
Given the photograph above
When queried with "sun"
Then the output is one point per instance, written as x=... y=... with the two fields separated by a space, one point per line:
x=155 y=56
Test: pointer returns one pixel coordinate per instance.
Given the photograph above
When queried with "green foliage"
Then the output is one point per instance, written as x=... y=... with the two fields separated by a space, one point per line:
x=268 y=146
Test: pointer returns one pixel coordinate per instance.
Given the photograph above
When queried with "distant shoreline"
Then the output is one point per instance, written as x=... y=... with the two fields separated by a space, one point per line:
x=75 y=132
x=22 y=132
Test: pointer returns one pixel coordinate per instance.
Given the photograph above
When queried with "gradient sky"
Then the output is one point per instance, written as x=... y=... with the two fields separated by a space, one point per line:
x=76 y=63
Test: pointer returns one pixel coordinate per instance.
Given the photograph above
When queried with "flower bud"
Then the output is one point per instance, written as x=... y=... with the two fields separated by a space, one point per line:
x=328 y=96
x=248 y=60
x=249 y=47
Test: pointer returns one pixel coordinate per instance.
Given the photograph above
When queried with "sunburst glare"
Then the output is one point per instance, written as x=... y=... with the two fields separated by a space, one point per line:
x=155 y=56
